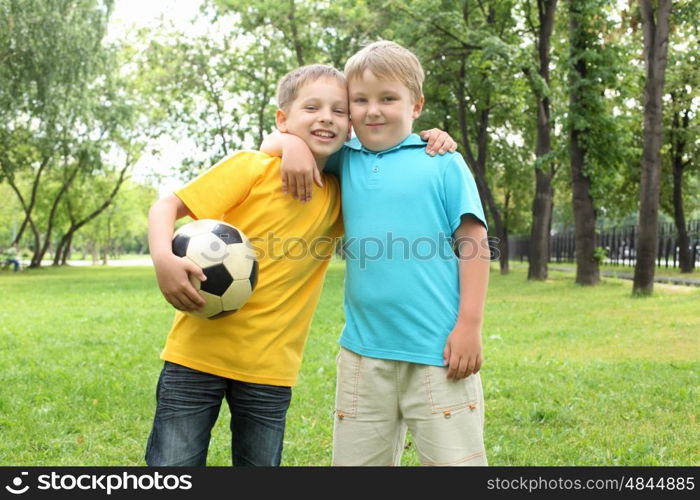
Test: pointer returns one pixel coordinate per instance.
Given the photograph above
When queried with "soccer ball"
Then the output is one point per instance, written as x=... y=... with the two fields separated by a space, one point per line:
x=227 y=259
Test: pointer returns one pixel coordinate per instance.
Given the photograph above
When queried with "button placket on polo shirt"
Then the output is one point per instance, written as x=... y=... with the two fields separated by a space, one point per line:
x=374 y=174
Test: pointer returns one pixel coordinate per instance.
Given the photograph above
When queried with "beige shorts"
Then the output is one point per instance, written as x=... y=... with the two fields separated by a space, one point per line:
x=377 y=400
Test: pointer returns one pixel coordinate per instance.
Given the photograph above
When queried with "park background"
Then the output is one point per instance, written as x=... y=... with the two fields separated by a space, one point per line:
x=577 y=118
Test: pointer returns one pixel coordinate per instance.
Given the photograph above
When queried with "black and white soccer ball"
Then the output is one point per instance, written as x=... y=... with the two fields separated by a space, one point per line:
x=227 y=259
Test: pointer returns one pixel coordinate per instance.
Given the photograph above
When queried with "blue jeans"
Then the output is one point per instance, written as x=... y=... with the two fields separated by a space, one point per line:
x=188 y=406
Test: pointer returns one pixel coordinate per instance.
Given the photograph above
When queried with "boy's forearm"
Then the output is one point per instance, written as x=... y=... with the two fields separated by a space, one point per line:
x=161 y=224
x=474 y=266
x=272 y=144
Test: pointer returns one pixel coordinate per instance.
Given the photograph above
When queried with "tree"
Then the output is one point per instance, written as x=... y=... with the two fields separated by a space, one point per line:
x=51 y=53
x=466 y=51
x=120 y=227
x=595 y=150
x=681 y=150
x=655 y=29
x=543 y=201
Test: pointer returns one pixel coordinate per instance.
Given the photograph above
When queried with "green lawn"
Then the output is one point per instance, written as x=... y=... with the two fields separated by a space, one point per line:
x=572 y=375
x=660 y=272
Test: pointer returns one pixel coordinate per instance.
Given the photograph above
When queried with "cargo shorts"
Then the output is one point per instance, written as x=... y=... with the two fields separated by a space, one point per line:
x=378 y=400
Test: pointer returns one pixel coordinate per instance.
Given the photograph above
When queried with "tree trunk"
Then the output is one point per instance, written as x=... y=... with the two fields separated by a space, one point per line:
x=587 y=271
x=478 y=164
x=59 y=251
x=27 y=207
x=685 y=256
x=52 y=214
x=542 y=206
x=678 y=143
x=66 y=249
x=655 y=30
x=543 y=202
x=296 y=43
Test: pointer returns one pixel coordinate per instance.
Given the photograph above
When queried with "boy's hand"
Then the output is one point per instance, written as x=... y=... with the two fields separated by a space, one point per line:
x=173 y=273
x=462 y=353
x=438 y=141
x=298 y=168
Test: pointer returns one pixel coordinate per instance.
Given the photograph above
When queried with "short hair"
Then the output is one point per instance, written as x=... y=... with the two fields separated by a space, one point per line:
x=391 y=61
x=288 y=87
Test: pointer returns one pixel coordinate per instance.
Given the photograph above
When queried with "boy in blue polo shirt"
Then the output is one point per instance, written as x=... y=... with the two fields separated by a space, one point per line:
x=411 y=346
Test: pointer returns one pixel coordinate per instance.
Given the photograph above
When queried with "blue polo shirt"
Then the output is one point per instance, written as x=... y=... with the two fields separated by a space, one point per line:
x=400 y=209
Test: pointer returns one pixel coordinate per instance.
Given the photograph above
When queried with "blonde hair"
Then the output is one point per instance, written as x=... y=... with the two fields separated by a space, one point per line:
x=288 y=87
x=390 y=61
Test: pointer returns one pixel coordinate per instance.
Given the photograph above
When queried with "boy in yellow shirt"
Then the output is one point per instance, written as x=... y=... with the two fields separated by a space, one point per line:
x=251 y=357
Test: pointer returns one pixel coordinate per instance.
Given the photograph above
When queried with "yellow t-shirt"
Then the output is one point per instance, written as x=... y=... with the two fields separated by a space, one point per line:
x=263 y=341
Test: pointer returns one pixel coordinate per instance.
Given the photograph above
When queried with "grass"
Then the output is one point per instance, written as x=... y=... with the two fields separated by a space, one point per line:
x=660 y=272
x=572 y=375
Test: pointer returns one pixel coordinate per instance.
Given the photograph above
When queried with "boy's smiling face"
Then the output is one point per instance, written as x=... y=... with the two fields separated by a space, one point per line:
x=382 y=111
x=319 y=115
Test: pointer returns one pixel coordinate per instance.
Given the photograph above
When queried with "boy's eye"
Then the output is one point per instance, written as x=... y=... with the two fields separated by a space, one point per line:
x=341 y=111
x=310 y=108
x=359 y=99
x=389 y=98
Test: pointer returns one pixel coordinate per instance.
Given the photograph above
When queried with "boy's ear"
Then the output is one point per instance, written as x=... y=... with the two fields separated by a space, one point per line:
x=281 y=120
x=418 y=107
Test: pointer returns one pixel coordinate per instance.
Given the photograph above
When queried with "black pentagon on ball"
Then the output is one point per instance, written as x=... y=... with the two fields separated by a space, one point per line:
x=227 y=234
x=218 y=280
x=180 y=243
x=254 y=275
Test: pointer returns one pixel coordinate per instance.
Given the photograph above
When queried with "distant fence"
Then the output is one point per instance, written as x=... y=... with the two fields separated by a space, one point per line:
x=619 y=244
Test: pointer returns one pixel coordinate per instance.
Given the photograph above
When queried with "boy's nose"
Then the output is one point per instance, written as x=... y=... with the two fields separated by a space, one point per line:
x=326 y=118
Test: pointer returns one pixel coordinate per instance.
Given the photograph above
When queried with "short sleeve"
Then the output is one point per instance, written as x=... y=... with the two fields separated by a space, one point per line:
x=461 y=193
x=225 y=185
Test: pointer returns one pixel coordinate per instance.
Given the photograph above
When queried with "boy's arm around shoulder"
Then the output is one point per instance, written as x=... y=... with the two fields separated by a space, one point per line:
x=299 y=170
x=172 y=272
x=462 y=353
x=298 y=167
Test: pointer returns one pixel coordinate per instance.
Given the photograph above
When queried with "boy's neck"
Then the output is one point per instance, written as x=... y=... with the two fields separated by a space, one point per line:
x=387 y=147
x=321 y=162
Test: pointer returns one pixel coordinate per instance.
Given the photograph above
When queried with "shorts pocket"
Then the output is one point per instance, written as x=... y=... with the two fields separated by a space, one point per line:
x=446 y=395
x=347 y=380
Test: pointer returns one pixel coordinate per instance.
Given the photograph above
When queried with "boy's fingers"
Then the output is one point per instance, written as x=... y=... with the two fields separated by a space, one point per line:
x=428 y=135
x=284 y=183
x=301 y=189
x=454 y=366
x=318 y=179
x=479 y=361
x=293 y=189
x=192 y=299
x=441 y=143
x=182 y=303
x=195 y=270
x=469 y=366
x=174 y=302
x=308 y=185
x=462 y=370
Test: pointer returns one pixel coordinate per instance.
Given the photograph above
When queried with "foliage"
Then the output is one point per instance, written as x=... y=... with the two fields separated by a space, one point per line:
x=73 y=108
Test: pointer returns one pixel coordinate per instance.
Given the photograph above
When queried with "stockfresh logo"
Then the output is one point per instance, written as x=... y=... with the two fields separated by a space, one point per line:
x=18 y=487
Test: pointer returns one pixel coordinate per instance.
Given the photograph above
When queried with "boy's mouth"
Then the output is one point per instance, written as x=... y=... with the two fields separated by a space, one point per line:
x=323 y=134
x=373 y=124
